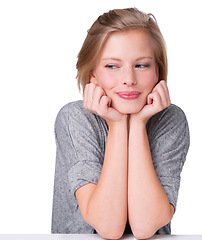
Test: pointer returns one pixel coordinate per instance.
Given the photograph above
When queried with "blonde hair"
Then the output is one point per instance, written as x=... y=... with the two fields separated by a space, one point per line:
x=115 y=21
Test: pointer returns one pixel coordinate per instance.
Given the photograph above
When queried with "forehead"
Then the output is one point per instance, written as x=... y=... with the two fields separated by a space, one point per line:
x=128 y=44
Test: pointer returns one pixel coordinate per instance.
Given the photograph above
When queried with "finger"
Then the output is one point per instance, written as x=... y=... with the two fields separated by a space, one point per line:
x=98 y=94
x=104 y=105
x=161 y=83
x=154 y=99
x=165 y=86
x=162 y=89
x=166 y=93
x=91 y=90
x=89 y=95
x=107 y=111
x=149 y=99
x=105 y=102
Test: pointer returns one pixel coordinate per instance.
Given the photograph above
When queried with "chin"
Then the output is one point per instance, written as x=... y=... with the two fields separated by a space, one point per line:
x=128 y=109
x=130 y=106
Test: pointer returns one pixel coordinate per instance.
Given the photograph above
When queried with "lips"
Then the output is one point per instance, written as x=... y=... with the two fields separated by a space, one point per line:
x=129 y=95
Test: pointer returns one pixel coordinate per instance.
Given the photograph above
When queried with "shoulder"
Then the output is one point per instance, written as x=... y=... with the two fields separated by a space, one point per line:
x=172 y=114
x=73 y=115
x=73 y=110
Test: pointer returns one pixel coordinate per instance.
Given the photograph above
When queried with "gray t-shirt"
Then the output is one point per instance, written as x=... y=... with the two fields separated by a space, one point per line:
x=81 y=139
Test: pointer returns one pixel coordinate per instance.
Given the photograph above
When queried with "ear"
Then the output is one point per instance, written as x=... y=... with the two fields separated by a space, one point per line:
x=93 y=78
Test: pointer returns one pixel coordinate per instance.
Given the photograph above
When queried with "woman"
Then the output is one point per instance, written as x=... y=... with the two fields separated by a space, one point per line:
x=121 y=150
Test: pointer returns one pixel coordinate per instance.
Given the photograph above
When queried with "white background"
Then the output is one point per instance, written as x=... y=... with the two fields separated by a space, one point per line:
x=39 y=43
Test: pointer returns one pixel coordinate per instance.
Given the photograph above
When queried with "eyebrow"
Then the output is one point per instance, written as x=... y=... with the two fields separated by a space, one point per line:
x=119 y=60
x=115 y=59
x=140 y=58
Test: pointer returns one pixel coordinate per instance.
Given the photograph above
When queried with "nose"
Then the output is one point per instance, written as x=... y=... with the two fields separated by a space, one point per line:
x=129 y=77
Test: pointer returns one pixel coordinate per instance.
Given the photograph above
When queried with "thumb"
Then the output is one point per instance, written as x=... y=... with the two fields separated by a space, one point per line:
x=150 y=99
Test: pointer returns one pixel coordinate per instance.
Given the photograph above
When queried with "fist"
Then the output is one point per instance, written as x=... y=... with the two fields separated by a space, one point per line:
x=96 y=101
x=157 y=100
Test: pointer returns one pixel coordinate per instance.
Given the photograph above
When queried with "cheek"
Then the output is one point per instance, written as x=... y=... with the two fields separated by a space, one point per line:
x=106 y=82
x=149 y=80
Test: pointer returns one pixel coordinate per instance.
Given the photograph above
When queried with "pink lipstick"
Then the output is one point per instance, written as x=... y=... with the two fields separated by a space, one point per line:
x=129 y=95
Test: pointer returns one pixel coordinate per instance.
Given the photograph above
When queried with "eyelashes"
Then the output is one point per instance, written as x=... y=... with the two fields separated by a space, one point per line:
x=142 y=66
x=138 y=66
x=111 y=66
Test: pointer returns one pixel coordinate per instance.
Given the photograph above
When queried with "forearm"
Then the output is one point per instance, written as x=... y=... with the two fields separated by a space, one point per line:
x=107 y=206
x=148 y=205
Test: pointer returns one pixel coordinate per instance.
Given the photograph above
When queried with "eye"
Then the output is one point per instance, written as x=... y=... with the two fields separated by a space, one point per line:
x=111 y=66
x=141 y=66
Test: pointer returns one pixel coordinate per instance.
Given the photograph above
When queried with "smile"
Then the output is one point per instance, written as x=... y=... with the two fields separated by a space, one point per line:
x=129 y=95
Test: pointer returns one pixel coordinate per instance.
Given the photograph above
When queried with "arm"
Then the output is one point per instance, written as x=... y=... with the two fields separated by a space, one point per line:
x=104 y=206
x=148 y=205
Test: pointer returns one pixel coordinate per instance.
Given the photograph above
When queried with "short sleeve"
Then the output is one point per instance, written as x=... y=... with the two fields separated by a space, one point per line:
x=79 y=145
x=169 y=139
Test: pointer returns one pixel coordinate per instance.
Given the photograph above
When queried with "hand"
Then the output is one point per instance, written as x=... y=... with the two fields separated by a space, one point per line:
x=157 y=100
x=96 y=101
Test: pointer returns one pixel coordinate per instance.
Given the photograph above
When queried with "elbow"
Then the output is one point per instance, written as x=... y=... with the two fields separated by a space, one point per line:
x=146 y=230
x=140 y=234
x=111 y=235
x=110 y=232
x=142 y=231
x=108 y=229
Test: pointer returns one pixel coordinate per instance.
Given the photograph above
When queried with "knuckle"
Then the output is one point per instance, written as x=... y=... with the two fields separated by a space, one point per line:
x=99 y=90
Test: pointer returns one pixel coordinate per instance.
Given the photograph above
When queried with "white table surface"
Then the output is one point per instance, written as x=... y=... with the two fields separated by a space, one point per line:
x=89 y=237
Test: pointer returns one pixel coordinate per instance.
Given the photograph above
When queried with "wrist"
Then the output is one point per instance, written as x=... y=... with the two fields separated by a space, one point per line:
x=135 y=120
x=137 y=129
x=117 y=124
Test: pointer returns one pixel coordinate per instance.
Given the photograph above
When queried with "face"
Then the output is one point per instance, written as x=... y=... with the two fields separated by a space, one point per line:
x=126 y=70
